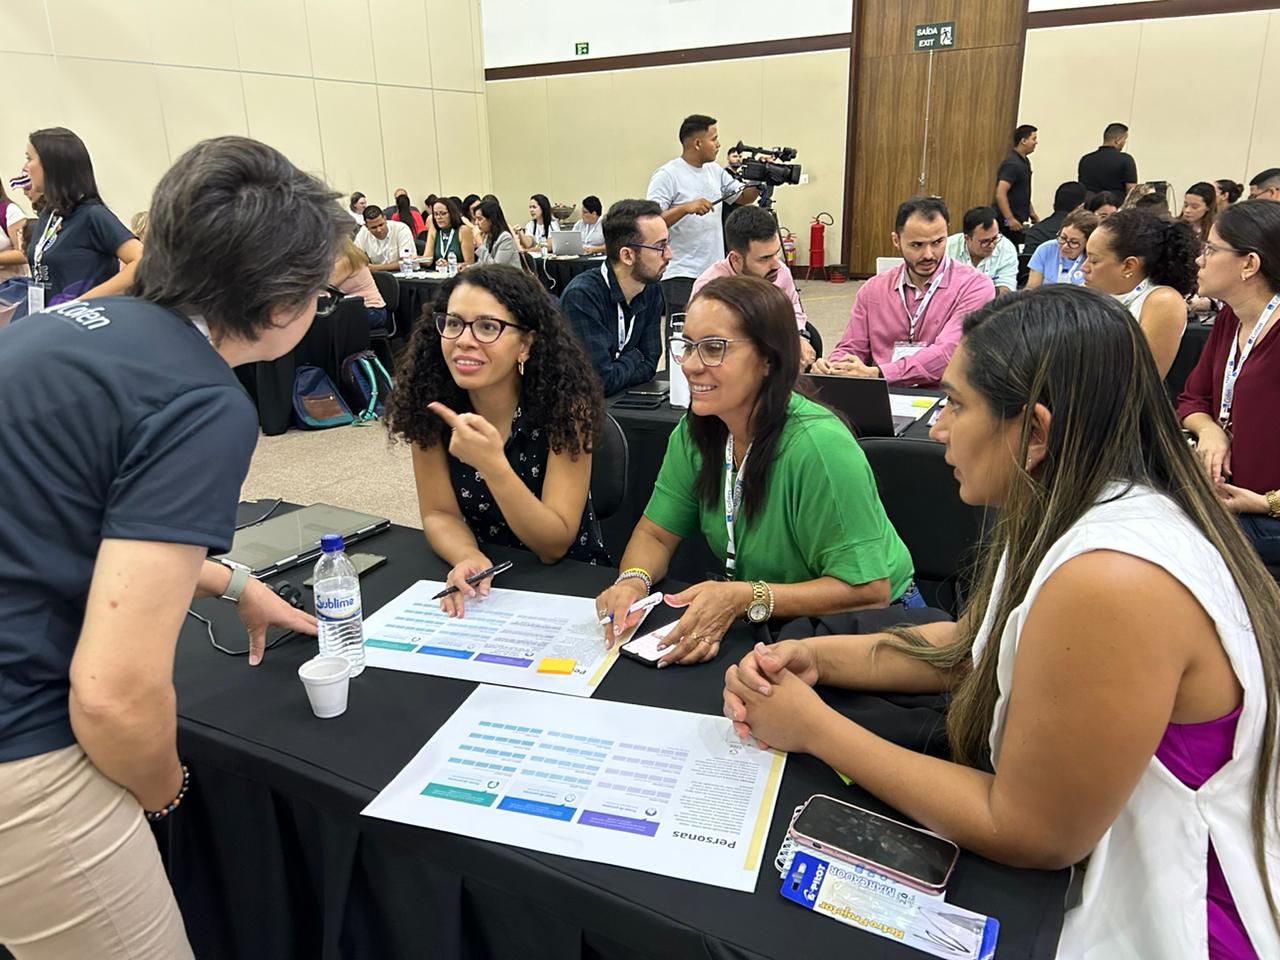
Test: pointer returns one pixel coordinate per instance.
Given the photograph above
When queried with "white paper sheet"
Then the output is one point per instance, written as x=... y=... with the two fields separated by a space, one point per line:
x=667 y=792
x=906 y=405
x=508 y=639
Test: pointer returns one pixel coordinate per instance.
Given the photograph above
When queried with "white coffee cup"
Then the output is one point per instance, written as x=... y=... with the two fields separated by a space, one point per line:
x=326 y=680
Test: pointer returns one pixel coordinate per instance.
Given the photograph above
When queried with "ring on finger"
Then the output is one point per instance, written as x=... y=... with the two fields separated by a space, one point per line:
x=703 y=639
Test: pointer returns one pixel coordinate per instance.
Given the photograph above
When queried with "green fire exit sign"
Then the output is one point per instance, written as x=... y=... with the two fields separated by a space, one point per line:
x=581 y=49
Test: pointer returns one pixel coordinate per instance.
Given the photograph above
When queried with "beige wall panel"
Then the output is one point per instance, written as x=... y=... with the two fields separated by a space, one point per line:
x=98 y=28
x=191 y=33
x=352 y=161
x=341 y=42
x=1264 y=149
x=281 y=112
x=402 y=56
x=1203 y=130
x=520 y=157
x=198 y=104
x=458 y=129
x=1076 y=80
x=24 y=29
x=486 y=159
x=477 y=44
x=817 y=131
x=272 y=37
x=453 y=61
x=584 y=139
x=128 y=147
x=408 y=142
x=21 y=115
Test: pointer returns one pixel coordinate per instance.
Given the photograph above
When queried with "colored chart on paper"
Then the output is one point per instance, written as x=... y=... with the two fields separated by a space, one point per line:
x=540 y=641
x=667 y=792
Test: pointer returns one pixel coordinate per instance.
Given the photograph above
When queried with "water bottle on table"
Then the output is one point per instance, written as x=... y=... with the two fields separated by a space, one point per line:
x=453 y=264
x=339 y=617
x=408 y=261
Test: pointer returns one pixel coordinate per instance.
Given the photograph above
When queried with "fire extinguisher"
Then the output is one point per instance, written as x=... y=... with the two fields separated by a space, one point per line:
x=789 y=247
x=817 y=240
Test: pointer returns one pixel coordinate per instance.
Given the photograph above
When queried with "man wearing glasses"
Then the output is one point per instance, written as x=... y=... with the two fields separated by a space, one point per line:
x=982 y=247
x=616 y=311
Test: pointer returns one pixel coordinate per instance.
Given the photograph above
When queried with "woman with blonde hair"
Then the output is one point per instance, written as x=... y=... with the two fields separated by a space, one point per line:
x=351 y=275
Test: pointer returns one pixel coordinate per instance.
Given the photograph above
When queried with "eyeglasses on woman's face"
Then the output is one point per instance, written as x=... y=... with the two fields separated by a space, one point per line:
x=1211 y=248
x=484 y=329
x=1069 y=243
x=711 y=350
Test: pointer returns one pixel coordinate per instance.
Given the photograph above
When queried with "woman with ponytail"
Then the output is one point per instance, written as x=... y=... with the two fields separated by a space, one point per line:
x=1148 y=263
x=1114 y=678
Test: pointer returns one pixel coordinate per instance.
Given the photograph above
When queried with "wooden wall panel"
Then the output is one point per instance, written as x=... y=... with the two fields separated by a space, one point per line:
x=972 y=112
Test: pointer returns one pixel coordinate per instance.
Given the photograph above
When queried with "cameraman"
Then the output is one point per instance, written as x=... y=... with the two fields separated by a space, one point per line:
x=689 y=189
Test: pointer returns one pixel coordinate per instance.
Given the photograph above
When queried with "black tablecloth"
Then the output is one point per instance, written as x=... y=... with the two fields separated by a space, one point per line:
x=270 y=859
x=330 y=340
x=415 y=293
x=556 y=274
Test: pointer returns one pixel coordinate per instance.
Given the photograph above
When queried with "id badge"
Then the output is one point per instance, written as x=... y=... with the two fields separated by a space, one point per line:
x=35 y=297
x=903 y=349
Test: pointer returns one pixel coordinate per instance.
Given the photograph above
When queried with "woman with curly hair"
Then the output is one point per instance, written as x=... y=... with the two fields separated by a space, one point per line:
x=501 y=405
x=1149 y=264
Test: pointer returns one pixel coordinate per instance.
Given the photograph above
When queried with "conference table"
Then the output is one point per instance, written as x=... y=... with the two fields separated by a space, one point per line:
x=270 y=858
x=556 y=272
x=415 y=292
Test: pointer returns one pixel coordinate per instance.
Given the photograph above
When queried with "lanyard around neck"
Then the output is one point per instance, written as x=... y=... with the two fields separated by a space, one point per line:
x=1233 y=366
x=443 y=250
x=624 y=329
x=732 y=500
x=46 y=239
x=930 y=289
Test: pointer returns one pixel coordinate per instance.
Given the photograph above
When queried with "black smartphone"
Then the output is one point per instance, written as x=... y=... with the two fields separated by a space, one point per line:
x=913 y=856
x=638 y=403
x=648 y=392
x=645 y=648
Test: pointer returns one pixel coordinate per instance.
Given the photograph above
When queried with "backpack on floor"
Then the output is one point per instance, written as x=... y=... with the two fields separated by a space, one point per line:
x=367 y=385
x=316 y=401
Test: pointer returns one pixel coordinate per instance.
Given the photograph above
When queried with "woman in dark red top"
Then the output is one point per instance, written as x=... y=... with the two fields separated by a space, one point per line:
x=1238 y=440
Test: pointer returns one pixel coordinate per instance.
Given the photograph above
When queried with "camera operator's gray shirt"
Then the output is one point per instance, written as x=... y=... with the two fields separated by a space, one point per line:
x=696 y=242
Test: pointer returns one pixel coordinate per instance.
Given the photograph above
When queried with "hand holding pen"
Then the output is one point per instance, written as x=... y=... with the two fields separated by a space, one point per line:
x=470 y=578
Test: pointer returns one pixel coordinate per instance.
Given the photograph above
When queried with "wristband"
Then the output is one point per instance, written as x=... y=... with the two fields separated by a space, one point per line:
x=157 y=815
x=1273 y=503
x=636 y=573
x=239 y=580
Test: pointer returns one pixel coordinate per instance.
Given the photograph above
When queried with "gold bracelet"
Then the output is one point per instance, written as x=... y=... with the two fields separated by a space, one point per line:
x=1273 y=503
x=636 y=573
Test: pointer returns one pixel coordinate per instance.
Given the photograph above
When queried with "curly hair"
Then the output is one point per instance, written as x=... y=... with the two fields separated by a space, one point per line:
x=1167 y=248
x=560 y=391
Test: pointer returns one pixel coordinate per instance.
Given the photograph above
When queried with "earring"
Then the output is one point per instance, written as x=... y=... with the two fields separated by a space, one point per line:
x=520 y=367
x=1128 y=274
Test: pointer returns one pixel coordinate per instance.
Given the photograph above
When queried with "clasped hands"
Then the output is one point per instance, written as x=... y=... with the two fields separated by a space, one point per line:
x=848 y=366
x=769 y=696
x=710 y=608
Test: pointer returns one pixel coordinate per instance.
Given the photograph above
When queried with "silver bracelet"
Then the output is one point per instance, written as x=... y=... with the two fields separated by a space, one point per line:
x=635 y=573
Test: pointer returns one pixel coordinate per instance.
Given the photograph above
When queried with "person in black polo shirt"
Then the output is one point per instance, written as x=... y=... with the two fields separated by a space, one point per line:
x=616 y=311
x=126 y=439
x=1013 y=185
x=1109 y=168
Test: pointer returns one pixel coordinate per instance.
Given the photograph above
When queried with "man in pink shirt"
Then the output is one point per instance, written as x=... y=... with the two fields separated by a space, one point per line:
x=906 y=322
x=755 y=249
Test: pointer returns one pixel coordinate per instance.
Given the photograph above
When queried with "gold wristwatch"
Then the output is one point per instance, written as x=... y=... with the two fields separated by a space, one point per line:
x=760 y=609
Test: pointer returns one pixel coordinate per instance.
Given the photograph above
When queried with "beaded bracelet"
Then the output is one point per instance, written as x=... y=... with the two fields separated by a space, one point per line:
x=636 y=573
x=157 y=815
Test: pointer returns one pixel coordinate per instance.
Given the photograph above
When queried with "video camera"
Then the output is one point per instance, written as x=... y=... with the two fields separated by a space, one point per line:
x=772 y=172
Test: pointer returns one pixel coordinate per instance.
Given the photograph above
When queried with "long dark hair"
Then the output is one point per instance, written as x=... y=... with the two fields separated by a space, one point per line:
x=68 y=171
x=1085 y=358
x=560 y=391
x=1254 y=227
x=769 y=322
x=1167 y=248
x=1206 y=192
x=498 y=225
x=545 y=206
x=1232 y=189
x=404 y=210
x=455 y=215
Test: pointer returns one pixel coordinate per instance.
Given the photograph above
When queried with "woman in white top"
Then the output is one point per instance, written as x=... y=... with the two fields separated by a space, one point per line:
x=1149 y=264
x=13 y=261
x=591 y=226
x=497 y=242
x=1119 y=613
x=538 y=230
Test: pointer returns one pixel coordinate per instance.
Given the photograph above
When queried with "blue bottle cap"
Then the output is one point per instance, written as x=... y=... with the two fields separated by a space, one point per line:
x=331 y=542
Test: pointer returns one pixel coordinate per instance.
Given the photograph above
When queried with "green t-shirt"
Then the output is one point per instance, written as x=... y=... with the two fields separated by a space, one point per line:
x=822 y=514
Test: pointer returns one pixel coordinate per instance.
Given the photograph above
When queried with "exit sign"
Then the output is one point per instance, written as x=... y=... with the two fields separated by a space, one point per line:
x=581 y=49
x=935 y=36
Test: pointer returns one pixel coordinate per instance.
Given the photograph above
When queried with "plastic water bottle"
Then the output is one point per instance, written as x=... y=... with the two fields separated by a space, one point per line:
x=679 y=395
x=338 y=611
x=453 y=264
x=407 y=262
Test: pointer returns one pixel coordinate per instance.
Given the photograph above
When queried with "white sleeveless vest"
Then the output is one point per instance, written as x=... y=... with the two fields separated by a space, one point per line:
x=1145 y=887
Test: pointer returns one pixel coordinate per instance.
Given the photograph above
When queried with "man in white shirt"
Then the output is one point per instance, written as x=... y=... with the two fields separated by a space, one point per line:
x=689 y=189
x=982 y=247
x=384 y=241
x=590 y=227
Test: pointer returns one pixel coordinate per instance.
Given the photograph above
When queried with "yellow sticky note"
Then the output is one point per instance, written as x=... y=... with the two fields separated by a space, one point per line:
x=557 y=665
x=924 y=402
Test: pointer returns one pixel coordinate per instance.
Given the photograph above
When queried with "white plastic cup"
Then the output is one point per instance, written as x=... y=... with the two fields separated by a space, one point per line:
x=326 y=680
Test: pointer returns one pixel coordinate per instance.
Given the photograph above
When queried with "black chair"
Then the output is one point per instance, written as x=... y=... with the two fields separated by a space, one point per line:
x=610 y=458
x=1189 y=350
x=922 y=499
x=380 y=340
x=815 y=338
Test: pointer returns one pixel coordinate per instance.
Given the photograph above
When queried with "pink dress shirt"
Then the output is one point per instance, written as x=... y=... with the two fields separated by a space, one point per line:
x=722 y=268
x=879 y=320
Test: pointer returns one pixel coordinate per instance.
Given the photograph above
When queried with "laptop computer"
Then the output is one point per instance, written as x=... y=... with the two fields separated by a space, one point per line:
x=291 y=539
x=864 y=403
x=566 y=243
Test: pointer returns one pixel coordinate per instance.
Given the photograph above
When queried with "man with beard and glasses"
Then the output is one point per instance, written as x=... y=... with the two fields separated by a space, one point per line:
x=906 y=322
x=616 y=311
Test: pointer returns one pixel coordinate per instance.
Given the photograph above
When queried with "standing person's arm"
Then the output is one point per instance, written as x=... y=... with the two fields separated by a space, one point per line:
x=128 y=253
x=1002 y=201
x=662 y=190
x=1131 y=174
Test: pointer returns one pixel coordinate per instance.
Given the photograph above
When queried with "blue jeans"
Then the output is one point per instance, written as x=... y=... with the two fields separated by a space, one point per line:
x=911 y=598
x=1264 y=533
x=377 y=317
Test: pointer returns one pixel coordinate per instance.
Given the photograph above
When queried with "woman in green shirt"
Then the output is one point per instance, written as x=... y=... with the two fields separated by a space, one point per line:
x=774 y=481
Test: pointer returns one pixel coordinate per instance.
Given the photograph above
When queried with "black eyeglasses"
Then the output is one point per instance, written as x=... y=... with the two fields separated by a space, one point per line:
x=711 y=350
x=662 y=246
x=328 y=301
x=484 y=329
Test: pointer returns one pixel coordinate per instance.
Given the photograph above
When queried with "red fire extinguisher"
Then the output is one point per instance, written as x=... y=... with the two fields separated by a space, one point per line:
x=817 y=240
x=789 y=247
